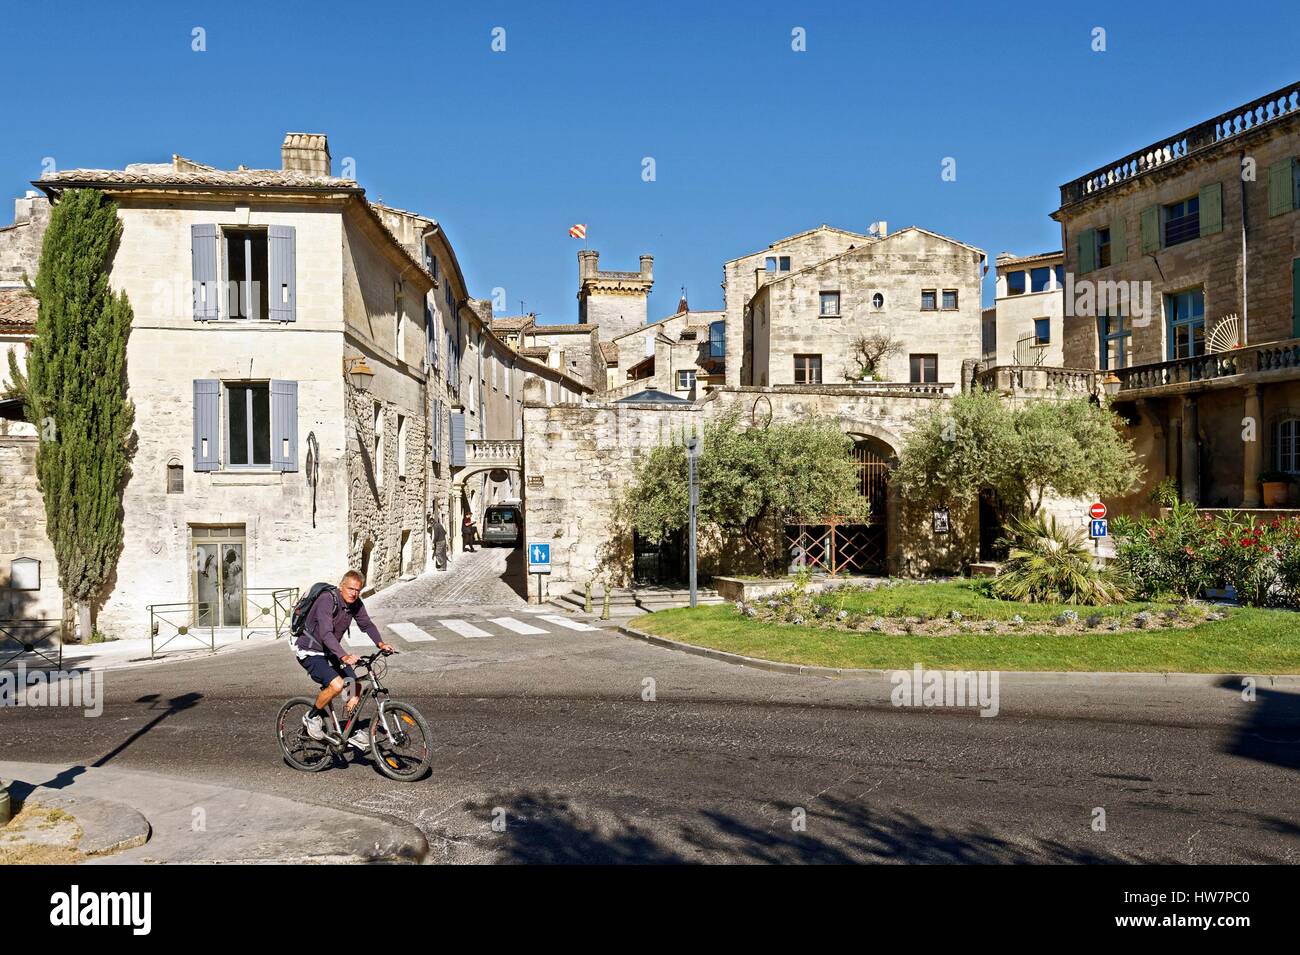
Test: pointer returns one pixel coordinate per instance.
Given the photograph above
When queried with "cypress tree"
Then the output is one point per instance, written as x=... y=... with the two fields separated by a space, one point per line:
x=76 y=394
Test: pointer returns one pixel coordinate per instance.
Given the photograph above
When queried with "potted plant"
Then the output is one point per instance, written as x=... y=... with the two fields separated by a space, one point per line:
x=1275 y=485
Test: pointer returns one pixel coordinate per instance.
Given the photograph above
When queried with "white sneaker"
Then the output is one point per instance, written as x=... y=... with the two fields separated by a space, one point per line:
x=360 y=739
x=315 y=726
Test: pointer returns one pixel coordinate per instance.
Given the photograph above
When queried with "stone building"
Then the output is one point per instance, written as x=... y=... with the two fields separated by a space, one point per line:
x=920 y=289
x=1183 y=286
x=678 y=355
x=613 y=302
x=1028 y=311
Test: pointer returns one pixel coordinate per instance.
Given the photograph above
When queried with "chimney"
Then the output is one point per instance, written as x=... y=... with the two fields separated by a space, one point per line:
x=647 y=267
x=588 y=259
x=308 y=153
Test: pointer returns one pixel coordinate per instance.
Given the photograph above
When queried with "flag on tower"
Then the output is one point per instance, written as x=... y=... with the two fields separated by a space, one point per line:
x=578 y=231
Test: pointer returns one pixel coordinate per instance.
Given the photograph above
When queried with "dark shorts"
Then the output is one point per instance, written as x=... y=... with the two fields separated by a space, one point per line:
x=323 y=669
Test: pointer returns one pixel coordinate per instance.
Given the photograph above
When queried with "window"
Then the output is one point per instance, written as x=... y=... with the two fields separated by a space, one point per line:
x=807 y=369
x=1182 y=221
x=1103 y=247
x=989 y=336
x=1115 y=341
x=949 y=299
x=1060 y=276
x=401 y=445
x=1185 y=313
x=770 y=263
x=247 y=276
x=923 y=368
x=830 y=303
x=248 y=425
x=877 y=301
x=686 y=380
x=929 y=300
x=785 y=263
x=1016 y=283
x=1040 y=279
x=718 y=340
x=175 y=479
x=377 y=462
x=1042 y=331
x=1286 y=442
x=399 y=345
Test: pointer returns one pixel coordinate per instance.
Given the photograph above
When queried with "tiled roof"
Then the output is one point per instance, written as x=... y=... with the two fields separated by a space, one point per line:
x=610 y=351
x=510 y=323
x=17 y=310
x=561 y=329
x=539 y=351
x=1006 y=258
x=167 y=174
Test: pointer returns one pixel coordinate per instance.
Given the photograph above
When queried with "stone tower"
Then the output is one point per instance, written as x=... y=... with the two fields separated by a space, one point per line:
x=615 y=302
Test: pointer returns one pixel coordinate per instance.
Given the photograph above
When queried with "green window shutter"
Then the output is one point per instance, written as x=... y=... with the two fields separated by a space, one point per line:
x=1211 y=204
x=1280 y=190
x=1295 y=298
x=1087 y=251
x=1150 y=229
x=1118 y=241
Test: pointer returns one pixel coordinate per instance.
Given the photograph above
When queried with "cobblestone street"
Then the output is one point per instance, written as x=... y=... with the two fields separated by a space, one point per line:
x=487 y=576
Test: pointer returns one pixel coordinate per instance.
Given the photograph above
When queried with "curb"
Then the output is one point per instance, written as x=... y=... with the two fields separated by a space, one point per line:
x=1108 y=677
x=106 y=826
x=178 y=656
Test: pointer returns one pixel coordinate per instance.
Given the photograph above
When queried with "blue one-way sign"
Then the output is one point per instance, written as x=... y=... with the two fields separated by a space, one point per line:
x=539 y=558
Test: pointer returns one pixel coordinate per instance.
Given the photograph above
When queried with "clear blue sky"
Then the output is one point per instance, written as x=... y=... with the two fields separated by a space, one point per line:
x=752 y=141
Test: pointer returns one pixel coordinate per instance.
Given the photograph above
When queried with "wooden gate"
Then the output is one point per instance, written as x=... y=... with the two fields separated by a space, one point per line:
x=832 y=545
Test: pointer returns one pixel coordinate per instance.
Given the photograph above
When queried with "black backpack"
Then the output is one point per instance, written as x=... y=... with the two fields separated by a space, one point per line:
x=302 y=609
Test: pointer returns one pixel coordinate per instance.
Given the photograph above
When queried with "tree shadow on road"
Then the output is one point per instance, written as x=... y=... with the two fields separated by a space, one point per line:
x=545 y=828
x=1270 y=731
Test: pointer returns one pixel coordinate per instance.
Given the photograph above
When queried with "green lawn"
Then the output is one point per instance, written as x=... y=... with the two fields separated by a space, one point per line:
x=1248 y=641
x=938 y=598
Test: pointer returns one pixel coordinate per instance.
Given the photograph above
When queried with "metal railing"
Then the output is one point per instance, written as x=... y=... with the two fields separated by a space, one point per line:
x=174 y=621
x=39 y=638
x=267 y=609
x=1270 y=356
x=1228 y=125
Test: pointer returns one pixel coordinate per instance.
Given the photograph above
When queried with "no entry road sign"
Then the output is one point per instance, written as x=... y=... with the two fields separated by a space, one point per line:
x=1097 y=511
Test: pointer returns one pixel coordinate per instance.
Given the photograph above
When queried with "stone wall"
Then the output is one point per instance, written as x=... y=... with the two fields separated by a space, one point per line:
x=579 y=461
x=20 y=242
x=22 y=534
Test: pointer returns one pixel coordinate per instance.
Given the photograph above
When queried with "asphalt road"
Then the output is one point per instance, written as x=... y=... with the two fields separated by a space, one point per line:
x=550 y=733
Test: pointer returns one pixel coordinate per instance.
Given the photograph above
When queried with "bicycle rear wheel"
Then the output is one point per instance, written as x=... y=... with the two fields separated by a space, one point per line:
x=400 y=743
x=299 y=749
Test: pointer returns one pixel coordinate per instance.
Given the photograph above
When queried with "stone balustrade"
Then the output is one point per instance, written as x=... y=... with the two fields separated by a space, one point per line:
x=493 y=451
x=1251 y=359
x=1037 y=380
x=1228 y=125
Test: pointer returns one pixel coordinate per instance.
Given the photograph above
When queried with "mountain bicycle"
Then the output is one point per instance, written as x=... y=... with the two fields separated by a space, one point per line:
x=399 y=736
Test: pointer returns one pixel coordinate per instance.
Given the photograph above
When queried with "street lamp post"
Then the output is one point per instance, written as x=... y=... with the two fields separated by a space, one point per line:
x=693 y=474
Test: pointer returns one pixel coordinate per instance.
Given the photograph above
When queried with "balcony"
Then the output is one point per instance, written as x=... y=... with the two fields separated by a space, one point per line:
x=1031 y=381
x=1265 y=362
x=481 y=452
x=1231 y=125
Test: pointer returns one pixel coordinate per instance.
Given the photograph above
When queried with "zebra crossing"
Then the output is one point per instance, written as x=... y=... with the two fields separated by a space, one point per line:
x=534 y=623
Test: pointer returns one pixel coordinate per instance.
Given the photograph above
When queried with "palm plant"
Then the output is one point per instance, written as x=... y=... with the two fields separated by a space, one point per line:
x=1049 y=564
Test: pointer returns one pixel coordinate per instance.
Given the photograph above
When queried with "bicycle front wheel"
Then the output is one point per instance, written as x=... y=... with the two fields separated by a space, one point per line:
x=400 y=743
x=299 y=749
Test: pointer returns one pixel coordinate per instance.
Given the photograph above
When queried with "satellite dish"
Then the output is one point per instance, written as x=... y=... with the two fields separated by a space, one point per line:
x=1225 y=336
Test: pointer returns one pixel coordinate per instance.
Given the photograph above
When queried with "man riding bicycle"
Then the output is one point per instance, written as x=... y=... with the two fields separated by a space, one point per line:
x=321 y=654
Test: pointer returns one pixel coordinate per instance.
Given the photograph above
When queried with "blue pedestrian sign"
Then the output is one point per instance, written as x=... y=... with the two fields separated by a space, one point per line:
x=539 y=558
x=1099 y=528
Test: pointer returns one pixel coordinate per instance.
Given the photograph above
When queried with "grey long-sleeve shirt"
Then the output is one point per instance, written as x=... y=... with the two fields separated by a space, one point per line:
x=329 y=627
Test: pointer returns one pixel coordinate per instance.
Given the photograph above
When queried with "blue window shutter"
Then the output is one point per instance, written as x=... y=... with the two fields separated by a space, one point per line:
x=458 y=440
x=282 y=270
x=203 y=272
x=207 y=402
x=284 y=425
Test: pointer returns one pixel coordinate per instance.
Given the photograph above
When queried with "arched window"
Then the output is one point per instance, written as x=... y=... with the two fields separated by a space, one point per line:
x=878 y=301
x=1286 y=444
